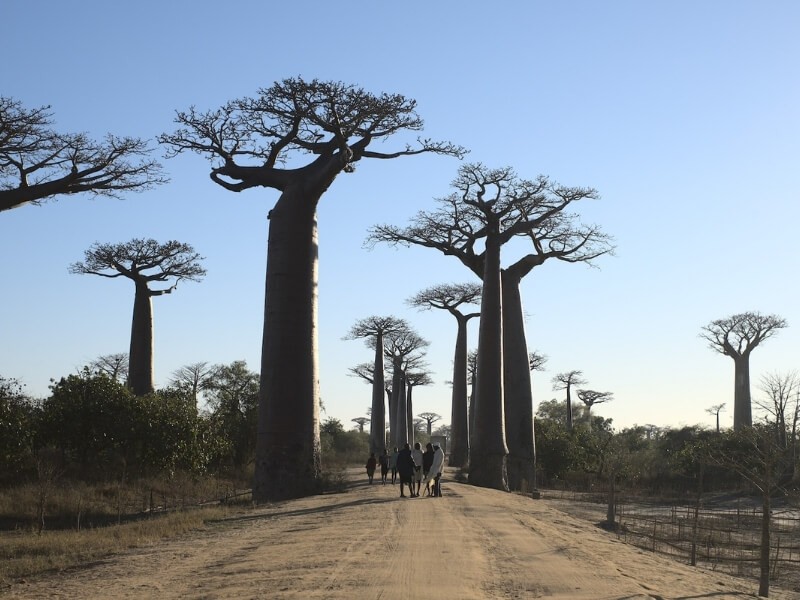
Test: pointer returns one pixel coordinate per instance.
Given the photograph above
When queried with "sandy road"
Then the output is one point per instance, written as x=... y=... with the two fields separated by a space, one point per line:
x=369 y=543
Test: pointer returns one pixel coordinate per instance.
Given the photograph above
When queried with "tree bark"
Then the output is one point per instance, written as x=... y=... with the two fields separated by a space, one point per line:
x=400 y=430
x=288 y=459
x=377 y=427
x=140 y=358
x=409 y=412
x=518 y=396
x=459 y=418
x=742 y=410
x=488 y=451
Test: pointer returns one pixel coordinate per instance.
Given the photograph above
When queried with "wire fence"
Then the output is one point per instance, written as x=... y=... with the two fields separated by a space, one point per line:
x=727 y=538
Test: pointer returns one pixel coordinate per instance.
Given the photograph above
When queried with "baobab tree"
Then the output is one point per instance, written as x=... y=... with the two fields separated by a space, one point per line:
x=405 y=349
x=715 y=410
x=250 y=142
x=493 y=206
x=373 y=329
x=737 y=336
x=451 y=297
x=113 y=365
x=415 y=375
x=592 y=397
x=38 y=163
x=360 y=422
x=430 y=418
x=566 y=381
x=145 y=262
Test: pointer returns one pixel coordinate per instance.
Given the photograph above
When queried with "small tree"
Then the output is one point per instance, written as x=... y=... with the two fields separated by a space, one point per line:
x=38 y=163
x=192 y=378
x=715 y=410
x=737 y=336
x=113 y=365
x=144 y=262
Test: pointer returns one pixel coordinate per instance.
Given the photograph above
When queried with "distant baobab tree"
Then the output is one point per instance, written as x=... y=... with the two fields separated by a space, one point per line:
x=566 y=381
x=451 y=297
x=255 y=143
x=715 y=410
x=494 y=206
x=360 y=421
x=737 y=336
x=430 y=418
x=373 y=330
x=113 y=365
x=145 y=262
x=38 y=163
x=592 y=397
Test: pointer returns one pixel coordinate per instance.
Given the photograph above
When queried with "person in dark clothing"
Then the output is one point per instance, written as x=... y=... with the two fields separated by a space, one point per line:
x=384 y=460
x=372 y=462
x=405 y=470
x=427 y=461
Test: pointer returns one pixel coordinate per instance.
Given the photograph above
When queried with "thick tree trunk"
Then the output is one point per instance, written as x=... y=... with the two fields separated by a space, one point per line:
x=517 y=388
x=377 y=427
x=400 y=430
x=570 y=423
x=742 y=411
x=488 y=450
x=140 y=358
x=459 y=418
x=409 y=414
x=288 y=445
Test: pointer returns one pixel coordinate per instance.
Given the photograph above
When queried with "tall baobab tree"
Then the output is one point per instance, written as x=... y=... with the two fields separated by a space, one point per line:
x=404 y=348
x=414 y=376
x=145 y=262
x=715 y=410
x=566 y=381
x=373 y=329
x=737 y=336
x=250 y=142
x=592 y=397
x=451 y=297
x=38 y=163
x=430 y=418
x=494 y=206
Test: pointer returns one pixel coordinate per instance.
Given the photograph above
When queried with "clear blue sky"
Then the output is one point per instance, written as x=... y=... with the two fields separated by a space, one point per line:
x=684 y=115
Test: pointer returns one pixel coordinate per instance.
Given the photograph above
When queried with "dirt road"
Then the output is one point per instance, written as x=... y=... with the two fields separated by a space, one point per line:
x=368 y=543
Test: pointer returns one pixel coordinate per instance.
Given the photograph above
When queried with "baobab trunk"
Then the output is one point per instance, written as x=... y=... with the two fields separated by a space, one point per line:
x=488 y=449
x=409 y=412
x=140 y=361
x=400 y=430
x=517 y=388
x=377 y=427
x=288 y=443
x=459 y=418
x=742 y=411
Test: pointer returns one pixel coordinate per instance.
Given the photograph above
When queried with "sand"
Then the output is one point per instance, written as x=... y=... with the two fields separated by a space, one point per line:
x=368 y=543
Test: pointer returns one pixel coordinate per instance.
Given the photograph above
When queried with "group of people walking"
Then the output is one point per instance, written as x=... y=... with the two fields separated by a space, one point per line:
x=412 y=468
